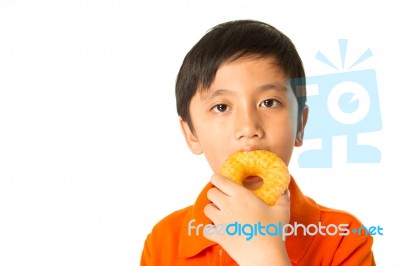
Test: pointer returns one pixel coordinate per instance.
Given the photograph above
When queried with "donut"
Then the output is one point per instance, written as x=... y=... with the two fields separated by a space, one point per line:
x=264 y=164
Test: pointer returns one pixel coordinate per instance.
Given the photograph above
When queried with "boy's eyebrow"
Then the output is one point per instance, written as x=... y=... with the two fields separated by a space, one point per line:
x=273 y=86
x=266 y=87
x=215 y=93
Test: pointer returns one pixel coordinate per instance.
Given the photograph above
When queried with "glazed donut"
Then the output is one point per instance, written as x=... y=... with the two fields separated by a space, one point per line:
x=264 y=164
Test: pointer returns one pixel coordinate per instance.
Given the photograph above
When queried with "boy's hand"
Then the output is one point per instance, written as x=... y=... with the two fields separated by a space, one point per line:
x=234 y=203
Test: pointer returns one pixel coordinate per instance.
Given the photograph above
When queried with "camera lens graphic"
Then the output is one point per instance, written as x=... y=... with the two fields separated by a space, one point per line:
x=348 y=102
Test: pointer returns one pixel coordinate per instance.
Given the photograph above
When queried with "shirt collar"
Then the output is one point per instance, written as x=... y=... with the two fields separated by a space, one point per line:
x=303 y=210
x=194 y=244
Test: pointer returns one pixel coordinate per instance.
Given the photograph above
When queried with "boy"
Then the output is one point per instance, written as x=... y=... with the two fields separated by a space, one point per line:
x=236 y=91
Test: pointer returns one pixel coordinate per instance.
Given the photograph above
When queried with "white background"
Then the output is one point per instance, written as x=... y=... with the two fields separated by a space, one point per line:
x=91 y=155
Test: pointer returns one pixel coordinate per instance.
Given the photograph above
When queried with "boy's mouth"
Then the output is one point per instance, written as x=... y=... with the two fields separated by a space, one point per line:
x=252 y=182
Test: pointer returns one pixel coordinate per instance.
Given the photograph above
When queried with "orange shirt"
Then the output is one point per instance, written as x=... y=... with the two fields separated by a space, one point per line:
x=169 y=243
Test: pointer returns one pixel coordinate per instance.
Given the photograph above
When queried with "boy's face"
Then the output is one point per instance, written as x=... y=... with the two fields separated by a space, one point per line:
x=247 y=107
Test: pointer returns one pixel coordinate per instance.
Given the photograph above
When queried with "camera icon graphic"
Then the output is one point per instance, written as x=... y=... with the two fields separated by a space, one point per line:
x=343 y=104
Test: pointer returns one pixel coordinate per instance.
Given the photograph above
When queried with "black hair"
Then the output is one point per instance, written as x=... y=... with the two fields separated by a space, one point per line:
x=231 y=41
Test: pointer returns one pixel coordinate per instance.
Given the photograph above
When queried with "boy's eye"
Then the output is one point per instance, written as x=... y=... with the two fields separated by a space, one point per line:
x=270 y=103
x=219 y=108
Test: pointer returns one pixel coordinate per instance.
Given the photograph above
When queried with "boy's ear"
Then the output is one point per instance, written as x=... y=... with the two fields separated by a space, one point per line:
x=190 y=137
x=300 y=127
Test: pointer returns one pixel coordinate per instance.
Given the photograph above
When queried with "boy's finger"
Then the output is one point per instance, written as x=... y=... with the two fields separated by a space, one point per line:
x=216 y=196
x=211 y=234
x=211 y=211
x=224 y=184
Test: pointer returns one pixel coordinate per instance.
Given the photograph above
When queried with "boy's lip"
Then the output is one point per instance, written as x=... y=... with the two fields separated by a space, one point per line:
x=250 y=148
x=252 y=182
x=252 y=178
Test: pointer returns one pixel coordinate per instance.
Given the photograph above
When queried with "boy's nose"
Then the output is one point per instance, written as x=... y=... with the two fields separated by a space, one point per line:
x=248 y=126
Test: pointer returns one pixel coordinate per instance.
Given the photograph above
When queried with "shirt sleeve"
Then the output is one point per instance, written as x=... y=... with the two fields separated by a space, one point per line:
x=355 y=249
x=146 y=259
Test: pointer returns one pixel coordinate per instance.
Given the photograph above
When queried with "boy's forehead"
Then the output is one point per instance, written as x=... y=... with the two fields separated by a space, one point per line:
x=272 y=78
x=214 y=91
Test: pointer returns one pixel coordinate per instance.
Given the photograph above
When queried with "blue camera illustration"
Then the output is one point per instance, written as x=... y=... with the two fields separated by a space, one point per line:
x=346 y=103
